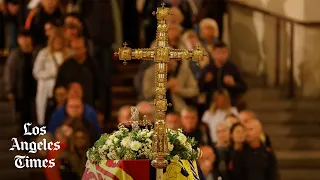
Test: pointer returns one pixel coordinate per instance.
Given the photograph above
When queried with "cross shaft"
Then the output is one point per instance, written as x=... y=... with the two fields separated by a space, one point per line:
x=161 y=55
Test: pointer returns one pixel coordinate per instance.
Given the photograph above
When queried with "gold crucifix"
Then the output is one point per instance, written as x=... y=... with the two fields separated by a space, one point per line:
x=161 y=54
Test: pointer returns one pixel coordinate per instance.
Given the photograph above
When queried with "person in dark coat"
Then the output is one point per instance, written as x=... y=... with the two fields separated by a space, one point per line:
x=192 y=127
x=222 y=151
x=82 y=69
x=221 y=74
x=14 y=21
x=149 y=22
x=104 y=34
x=260 y=161
x=237 y=158
x=245 y=117
x=47 y=11
x=19 y=82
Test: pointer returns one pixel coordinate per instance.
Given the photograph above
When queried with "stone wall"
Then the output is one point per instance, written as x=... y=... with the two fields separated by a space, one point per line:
x=253 y=41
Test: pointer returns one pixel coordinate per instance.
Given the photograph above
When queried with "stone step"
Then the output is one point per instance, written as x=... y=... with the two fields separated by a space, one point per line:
x=295 y=143
x=7 y=119
x=288 y=117
x=5 y=145
x=262 y=94
x=289 y=105
x=123 y=79
x=292 y=130
x=129 y=67
x=22 y=174
x=7 y=132
x=123 y=92
x=298 y=159
x=299 y=174
x=7 y=158
x=6 y=106
x=117 y=103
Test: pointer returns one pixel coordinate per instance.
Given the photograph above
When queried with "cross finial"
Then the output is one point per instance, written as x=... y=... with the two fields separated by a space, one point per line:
x=135 y=118
x=163 y=4
x=125 y=44
x=198 y=46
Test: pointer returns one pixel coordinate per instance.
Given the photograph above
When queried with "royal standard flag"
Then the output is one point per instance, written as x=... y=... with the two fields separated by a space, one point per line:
x=139 y=170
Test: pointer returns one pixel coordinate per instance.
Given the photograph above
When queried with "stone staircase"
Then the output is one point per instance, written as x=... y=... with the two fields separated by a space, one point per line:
x=123 y=92
x=8 y=130
x=294 y=128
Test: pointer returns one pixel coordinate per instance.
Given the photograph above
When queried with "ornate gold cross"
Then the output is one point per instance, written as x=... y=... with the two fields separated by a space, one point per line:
x=161 y=54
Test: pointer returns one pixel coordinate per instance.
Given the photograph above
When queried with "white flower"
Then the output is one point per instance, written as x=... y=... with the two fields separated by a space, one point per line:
x=143 y=133
x=135 y=145
x=112 y=155
x=126 y=142
x=115 y=140
x=149 y=141
x=182 y=138
x=176 y=157
x=104 y=147
x=109 y=142
x=112 y=137
x=189 y=147
x=118 y=133
x=149 y=134
x=170 y=146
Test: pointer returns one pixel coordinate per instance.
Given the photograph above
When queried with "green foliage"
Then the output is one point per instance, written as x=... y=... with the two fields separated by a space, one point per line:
x=129 y=145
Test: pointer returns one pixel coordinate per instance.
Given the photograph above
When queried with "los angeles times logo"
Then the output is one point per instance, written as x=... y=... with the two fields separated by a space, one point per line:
x=23 y=161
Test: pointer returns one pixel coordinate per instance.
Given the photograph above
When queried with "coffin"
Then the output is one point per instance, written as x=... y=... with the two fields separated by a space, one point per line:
x=139 y=170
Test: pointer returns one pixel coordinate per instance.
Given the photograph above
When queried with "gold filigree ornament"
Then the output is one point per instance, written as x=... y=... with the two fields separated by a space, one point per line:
x=161 y=55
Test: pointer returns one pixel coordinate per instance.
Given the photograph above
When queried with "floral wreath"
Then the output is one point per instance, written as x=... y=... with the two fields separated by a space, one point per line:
x=125 y=144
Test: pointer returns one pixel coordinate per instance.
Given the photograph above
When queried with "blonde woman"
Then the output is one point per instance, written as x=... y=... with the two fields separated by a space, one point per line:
x=220 y=107
x=45 y=71
x=190 y=40
x=208 y=32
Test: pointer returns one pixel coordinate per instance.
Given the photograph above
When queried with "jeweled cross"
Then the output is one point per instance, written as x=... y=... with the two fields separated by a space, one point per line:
x=161 y=54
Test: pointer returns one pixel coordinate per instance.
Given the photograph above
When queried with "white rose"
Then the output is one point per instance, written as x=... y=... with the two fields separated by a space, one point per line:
x=143 y=133
x=104 y=147
x=149 y=134
x=170 y=146
x=176 y=157
x=118 y=133
x=149 y=141
x=135 y=145
x=109 y=143
x=182 y=138
x=112 y=137
x=126 y=142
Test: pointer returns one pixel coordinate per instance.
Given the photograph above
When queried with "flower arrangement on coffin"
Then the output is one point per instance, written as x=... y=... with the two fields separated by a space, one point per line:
x=115 y=154
x=127 y=144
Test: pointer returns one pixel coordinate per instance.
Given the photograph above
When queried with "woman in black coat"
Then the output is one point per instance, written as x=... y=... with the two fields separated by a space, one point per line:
x=237 y=157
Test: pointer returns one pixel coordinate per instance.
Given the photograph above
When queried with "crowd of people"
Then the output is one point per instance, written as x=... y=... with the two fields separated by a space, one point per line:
x=60 y=66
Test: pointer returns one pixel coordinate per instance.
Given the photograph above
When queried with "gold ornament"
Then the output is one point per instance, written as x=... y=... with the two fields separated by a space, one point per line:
x=161 y=55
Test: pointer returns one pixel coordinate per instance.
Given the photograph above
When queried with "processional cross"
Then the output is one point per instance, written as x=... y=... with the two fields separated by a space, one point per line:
x=161 y=54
